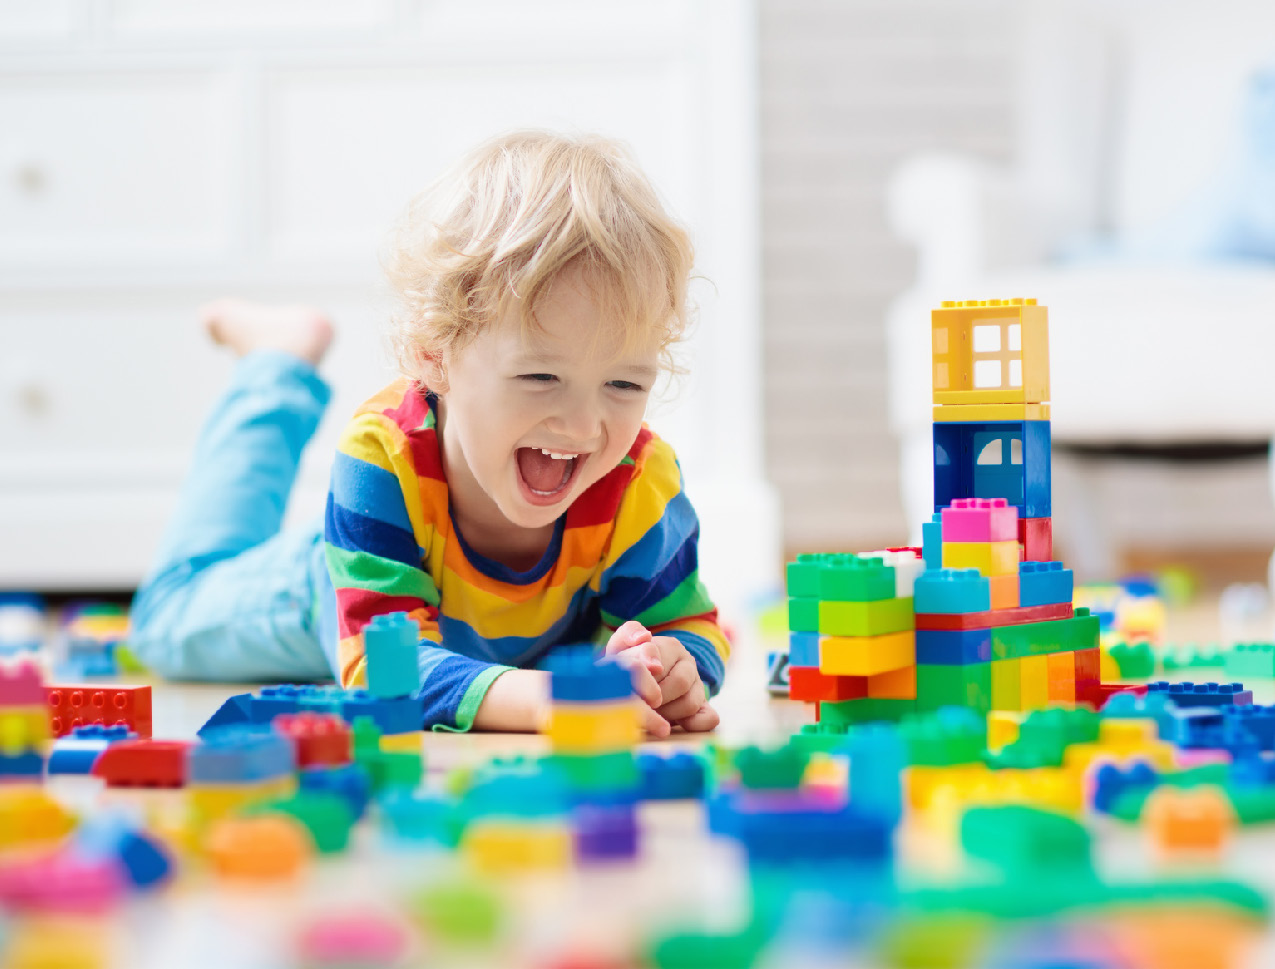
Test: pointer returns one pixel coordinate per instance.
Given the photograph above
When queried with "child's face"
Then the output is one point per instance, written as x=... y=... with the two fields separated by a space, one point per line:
x=511 y=395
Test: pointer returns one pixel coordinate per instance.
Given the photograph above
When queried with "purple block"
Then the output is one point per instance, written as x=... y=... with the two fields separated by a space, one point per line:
x=605 y=833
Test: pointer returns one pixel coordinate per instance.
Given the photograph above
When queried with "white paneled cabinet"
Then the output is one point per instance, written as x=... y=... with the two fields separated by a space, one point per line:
x=154 y=155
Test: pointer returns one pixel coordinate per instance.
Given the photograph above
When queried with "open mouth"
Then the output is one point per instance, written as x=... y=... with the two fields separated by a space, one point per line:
x=546 y=475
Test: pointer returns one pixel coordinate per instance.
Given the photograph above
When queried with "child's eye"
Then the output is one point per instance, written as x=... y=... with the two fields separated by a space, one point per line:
x=537 y=377
x=625 y=385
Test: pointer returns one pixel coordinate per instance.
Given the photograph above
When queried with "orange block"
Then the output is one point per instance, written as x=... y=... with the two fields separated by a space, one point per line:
x=1194 y=820
x=1062 y=677
x=894 y=685
x=269 y=847
x=1004 y=591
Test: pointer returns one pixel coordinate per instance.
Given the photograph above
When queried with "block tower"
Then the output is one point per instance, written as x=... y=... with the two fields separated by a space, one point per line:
x=984 y=617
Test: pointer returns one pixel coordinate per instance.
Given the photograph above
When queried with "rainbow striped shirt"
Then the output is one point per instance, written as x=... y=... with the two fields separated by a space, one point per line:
x=626 y=549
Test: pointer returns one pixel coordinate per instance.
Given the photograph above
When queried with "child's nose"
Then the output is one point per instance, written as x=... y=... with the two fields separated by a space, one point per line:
x=578 y=422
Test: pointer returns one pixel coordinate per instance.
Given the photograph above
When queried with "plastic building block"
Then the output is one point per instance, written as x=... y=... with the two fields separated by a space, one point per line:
x=1187 y=694
x=1189 y=657
x=907 y=563
x=853 y=578
x=233 y=710
x=994 y=459
x=496 y=846
x=77 y=706
x=991 y=412
x=803 y=649
x=932 y=542
x=990 y=352
x=350 y=782
x=397 y=715
x=969 y=685
x=948 y=737
x=1036 y=536
x=30 y=817
x=327 y=816
x=1062 y=677
x=777 y=673
x=594 y=727
x=839 y=716
x=143 y=763
x=878 y=755
x=605 y=833
x=1044 y=583
x=590 y=776
x=1032 y=639
x=837 y=618
x=1253 y=722
x=579 y=678
x=1198 y=728
x=806 y=828
x=990 y=558
x=803 y=615
x=27 y=766
x=1033 y=682
x=1004 y=591
x=895 y=685
x=145 y=861
x=806 y=683
x=353 y=938
x=240 y=755
x=21 y=683
x=1088 y=680
x=273 y=847
x=418 y=817
x=1198 y=820
x=780 y=769
x=945 y=590
x=1251 y=660
x=78 y=752
x=62 y=882
x=803 y=576
x=994 y=617
x=866 y=655
x=460 y=911
x=317 y=738
x=389 y=643
x=1111 y=781
x=23 y=728
x=953 y=646
x=1134 y=660
x=677 y=776
x=1006 y=683
x=980 y=520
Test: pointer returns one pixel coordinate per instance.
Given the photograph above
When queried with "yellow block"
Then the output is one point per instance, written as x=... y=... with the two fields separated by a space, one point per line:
x=1062 y=678
x=1122 y=742
x=61 y=942
x=1108 y=669
x=990 y=558
x=866 y=655
x=28 y=815
x=1007 y=688
x=496 y=846
x=402 y=743
x=1051 y=788
x=23 y=729
x=211 y=802
x=1002 y=725
x=894 y=685
x=990 y=352
x=590 y=727
x=948 y=413
x=1033 y=682
x=922 y=780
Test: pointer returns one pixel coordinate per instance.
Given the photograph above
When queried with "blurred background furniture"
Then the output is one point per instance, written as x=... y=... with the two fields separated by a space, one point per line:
x=1124 y=109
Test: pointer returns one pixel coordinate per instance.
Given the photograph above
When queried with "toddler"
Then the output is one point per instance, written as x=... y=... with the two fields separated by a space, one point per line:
x=504 y=492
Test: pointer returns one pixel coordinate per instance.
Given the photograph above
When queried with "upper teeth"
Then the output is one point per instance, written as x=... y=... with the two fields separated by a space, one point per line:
x=557 y=455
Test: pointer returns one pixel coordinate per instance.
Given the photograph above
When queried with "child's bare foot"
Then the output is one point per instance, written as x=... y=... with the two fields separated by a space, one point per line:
x=243 y=327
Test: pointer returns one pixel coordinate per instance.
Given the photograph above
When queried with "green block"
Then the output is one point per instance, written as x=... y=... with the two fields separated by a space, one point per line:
x=1191 y=657
x=771 y=770
x=1251 y=659
x=935 y=940
x=396 y=769
x=326 y=816
x=803 y=615
x=460 y=911
x=837 y=618
x=1134 y=660
x=1053 y=636
x=849 y=578
x=818 y=738
x=1020 y=839
x=967 y=685
x=1044 y=736
x=942 y=740
x=700 y=950
x=848 y=713
x=803 y=576
x=597 y=772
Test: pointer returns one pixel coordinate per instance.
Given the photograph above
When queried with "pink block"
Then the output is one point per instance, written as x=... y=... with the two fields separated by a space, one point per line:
x=980 y=520
x=62 y=882
x=21 y=684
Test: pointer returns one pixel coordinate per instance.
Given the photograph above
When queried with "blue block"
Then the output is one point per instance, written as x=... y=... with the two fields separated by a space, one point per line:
x=803 y=649
x=398 y=715
x=975 y=459
x=240 y=754
x=27 y=764
x=1252 y=720
x=932 y=542
x=1152 y=706
x=1111 y=781
x=1188 y=694
x=813 y=834
x=878 y=756
x=77 y=752
x=143 y=858
x=1199 y=728
x=1044 y=583
x=350 y=782
x=679 y=776
x=953 y=647
x=420 y=817
x=578 y=677
x=1252 y=770
x=234 y=709
x=951 y=591
x=389 y=643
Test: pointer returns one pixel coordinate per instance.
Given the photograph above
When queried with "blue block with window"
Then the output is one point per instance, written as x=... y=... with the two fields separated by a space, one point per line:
x=993 y=459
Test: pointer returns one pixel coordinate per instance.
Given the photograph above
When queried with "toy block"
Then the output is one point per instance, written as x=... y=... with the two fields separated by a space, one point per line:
x=994 y=618
x=1197 y=728
x=775 y=769
x=1198 y=821
x=806 y=683
x=1254 y=722
x=240 y=755
x=79 y=706
x=1044 y=583
x=803 y=575
x=948 y=591
x=1062 y=677
x=841 y=716
x=1006 y=687
x=1004 y=591
x=777 y=673
x=77 y=752
x=350 y=782
x=953 y=647
x=990 y=558
x=325 y=815
x=932 y=542
x=606 y=833
x=209 y=801
x=1034 y=638
x=907 y=563
x=497 y=847
x=878 y=756
x=671 y=777
x=234 y=709
x=594 y=727
x=1033 y=682
x=577 y=677
x=1036 y=536
x=852 y=578
x=980 y=520
x=875 y=618
x=894 y=685
x=866 y=655
x=1189 y=694
x=990 y=352
x=404 y=714
x=23 y=728
x=1088 y=680
x=1185 y=657
x=1133 y=660
x=389 y=645
x=591 y=776
x=1003 y=723
x=969 y=685
x=1251 y=660
x=21 y=683
x=991 y=412
x=803 y=615
x=143 y=763
x=994 y=459
x=25 y=767
x=317 y=738
x=803 y=649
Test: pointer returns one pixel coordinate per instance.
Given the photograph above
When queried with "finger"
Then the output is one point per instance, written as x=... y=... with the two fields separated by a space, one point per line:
x=654 y=724
x=680 y=678
x=702 y=720
x=684 y=706
x=631 y=633
x=644 y=683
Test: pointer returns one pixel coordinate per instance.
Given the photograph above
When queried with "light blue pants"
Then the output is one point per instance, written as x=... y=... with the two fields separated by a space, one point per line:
x=231 y=595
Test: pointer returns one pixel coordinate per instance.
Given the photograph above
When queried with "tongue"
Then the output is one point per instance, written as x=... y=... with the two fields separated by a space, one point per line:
x=541 y=472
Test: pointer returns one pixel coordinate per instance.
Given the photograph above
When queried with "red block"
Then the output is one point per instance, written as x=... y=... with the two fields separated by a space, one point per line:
x=1088 y=677
x=994 y=617
x=143 y=763
x=1036 y=536
x=317 y=738
x=1104 y=692
x=807 y=683
x=107 y=706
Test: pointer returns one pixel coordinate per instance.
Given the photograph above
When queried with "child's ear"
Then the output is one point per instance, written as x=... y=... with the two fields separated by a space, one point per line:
x=430 y=365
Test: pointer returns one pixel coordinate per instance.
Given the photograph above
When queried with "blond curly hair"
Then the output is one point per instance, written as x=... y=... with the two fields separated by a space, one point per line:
x=487 y=241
